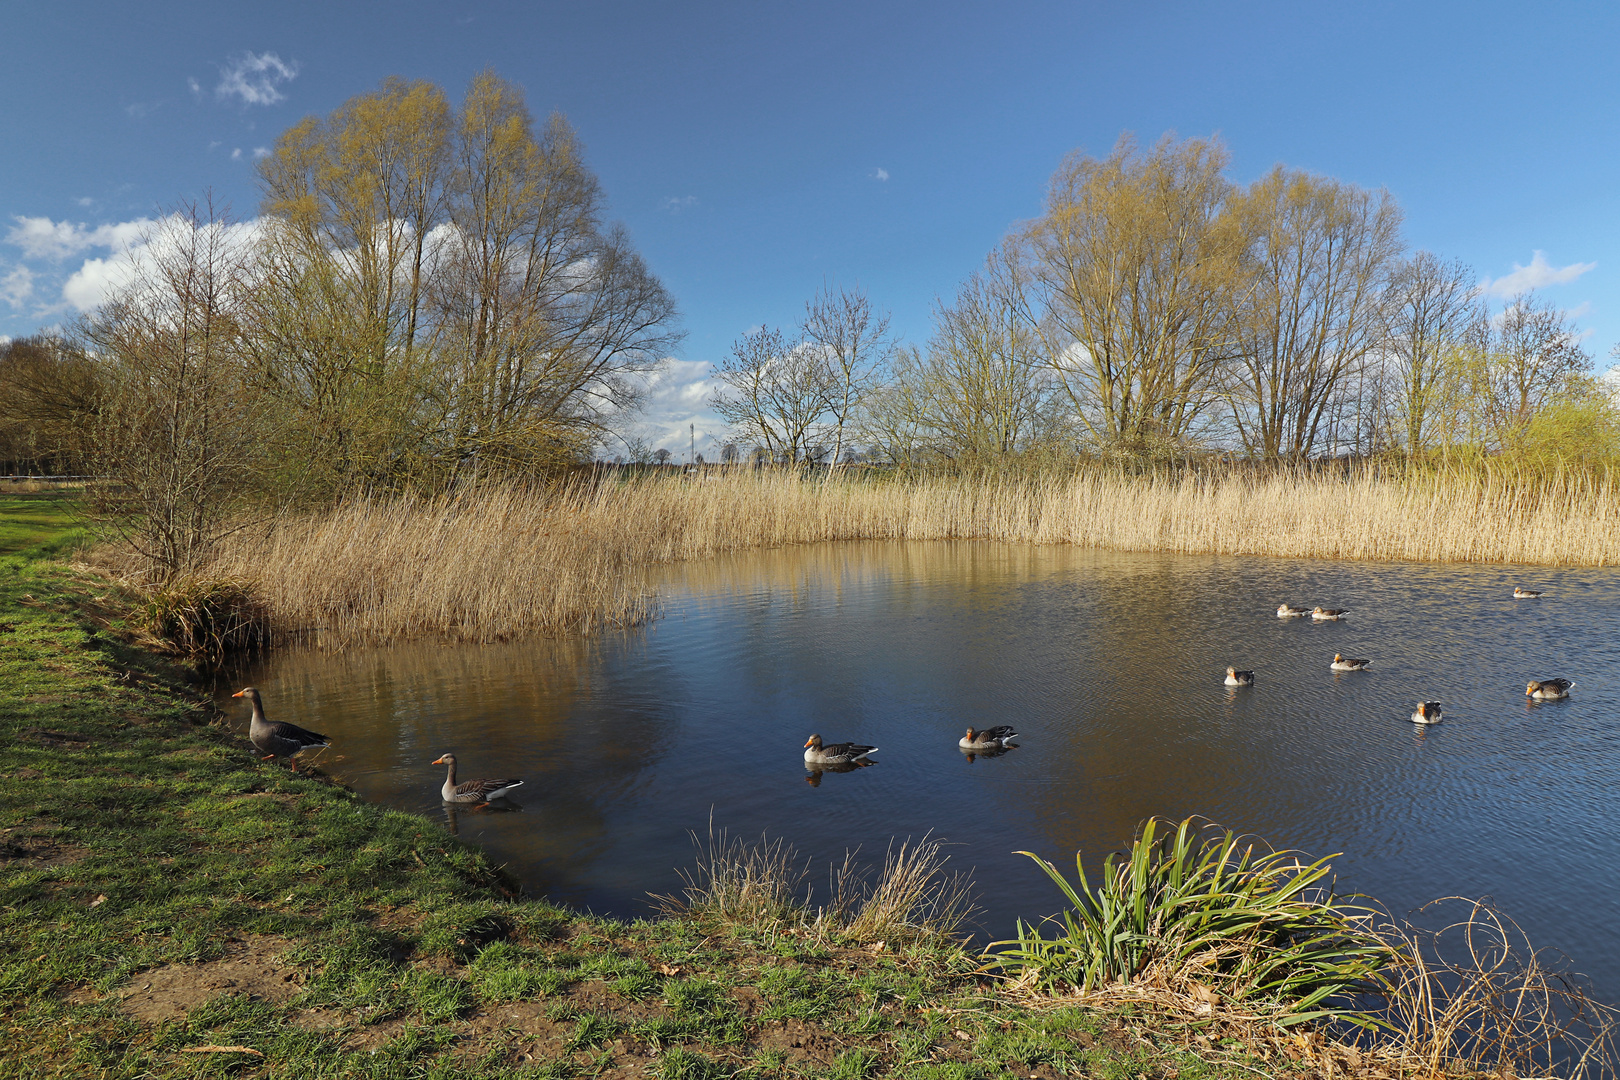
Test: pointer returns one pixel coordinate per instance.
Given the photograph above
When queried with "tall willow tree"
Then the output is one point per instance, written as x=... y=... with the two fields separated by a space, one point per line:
x=439 y=291
x=1140 y=267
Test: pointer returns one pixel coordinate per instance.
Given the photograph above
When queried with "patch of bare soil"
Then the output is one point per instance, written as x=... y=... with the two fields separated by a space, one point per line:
x=802 y=1043
x=253 y=969
x=28 y=850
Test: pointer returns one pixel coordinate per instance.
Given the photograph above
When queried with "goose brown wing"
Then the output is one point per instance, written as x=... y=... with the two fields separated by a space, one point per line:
x=998 y=733
x=847 y=749
x=293 y=733
x=484 y=788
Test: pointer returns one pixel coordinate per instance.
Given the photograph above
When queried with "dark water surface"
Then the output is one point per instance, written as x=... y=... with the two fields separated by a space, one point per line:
x=1111 y=667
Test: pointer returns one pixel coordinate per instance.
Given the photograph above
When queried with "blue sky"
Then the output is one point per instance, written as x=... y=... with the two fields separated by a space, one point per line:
x=757 y=150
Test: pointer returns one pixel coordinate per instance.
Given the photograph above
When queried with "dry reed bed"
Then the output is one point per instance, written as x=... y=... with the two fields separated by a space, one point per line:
x=492 y=563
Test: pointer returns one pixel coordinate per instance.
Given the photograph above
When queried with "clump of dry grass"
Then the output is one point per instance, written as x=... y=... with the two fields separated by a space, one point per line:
x=761 y=885
x=491 y=563
x=1476 y=996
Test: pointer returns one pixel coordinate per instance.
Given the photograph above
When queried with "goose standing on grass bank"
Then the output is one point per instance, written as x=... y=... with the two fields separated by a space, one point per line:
x=278 y=738
x=1521 y=593
x=471 y=791
x=987 y=738
x=1234 y=677
x=1428 y=712
x=1328 y=614
x=1549 y=689
x=1341 y=663
x=1286 y=612
x=839 y=753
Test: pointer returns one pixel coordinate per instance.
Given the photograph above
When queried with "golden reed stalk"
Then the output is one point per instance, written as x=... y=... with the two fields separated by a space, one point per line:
x=494 y=562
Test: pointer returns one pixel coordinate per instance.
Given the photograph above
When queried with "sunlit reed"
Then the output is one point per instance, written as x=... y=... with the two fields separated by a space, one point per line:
x=492 y=563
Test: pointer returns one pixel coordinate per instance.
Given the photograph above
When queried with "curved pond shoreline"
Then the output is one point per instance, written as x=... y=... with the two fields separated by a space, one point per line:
x=1109 y=664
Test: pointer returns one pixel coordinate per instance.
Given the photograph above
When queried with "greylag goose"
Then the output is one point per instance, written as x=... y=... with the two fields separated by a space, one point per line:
x=471 y=791
x=1549 y=689
x=841 y=753
x=1428 y=712
x=1521 y=593
x=278 y=738
x=1234 y=677
x=1328 y=614
x=1342 y=664
x=1286 y=612
x=987 y=739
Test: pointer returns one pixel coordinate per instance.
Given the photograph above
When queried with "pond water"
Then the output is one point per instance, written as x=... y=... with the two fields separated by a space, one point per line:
x=1110 y=665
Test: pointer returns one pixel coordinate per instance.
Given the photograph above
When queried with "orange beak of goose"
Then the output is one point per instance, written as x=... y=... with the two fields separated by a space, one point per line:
x=437 y=761
x=807 y=743
x=239 y=693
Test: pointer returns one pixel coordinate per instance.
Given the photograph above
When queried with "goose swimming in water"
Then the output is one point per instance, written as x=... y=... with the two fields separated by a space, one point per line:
x=1549 y=689
x=1521 y=593
x=987 y=739
x=1328 y=614
x=277 y=738
x=834 y=753
x=1341 y=663
x=471 y=791
x=1428 y=712
x=1286 y=612
x=1234 y=677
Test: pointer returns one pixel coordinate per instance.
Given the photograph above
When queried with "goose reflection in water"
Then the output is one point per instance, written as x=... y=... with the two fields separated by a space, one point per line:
x=453 y=812
x=813 y=772
x=986 y=752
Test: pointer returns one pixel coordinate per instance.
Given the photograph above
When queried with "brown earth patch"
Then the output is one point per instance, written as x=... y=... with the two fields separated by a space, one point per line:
x=62 y=740
x=253 y=969
x=374 y=1036
x=37 y=845
x=802 y=1043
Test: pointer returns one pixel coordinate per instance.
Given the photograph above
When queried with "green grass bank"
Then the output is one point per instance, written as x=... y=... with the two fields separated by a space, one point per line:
x=172 y=906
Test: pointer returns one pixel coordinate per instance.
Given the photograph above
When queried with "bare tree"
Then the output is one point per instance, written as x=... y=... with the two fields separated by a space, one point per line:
x=986 y=393
x=1521 y=360
x=855 y=347
x=773 y=393
x=1432 y=308
x=178 y=429
x=1317 y=257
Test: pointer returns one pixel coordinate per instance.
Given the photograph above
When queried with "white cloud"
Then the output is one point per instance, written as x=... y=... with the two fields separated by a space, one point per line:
x=42 y=238
x=236 y=155
x=140 y=110
x=255 y=78
x=675 y=204
x=193 y=85
x=677 y=399
x=261 y=151
x=17 y=286
x=96 y=280
x=85 y=201
x=881 y=174
x=1539 y=274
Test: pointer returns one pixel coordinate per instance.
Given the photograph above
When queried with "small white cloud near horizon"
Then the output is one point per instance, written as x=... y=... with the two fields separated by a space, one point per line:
x=1539 y=274
x=881 y=174
x=674 y=204
x=256 y=78
x=236 y=155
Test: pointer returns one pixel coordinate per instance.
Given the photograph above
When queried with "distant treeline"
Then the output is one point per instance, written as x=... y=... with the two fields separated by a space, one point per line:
x=431 y=295
x=1156 y=310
